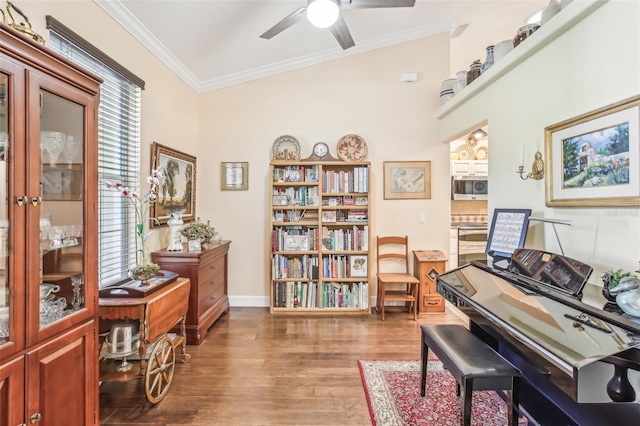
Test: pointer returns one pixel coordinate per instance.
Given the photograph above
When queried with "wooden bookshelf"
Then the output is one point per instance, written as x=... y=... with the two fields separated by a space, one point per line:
x=319 y=238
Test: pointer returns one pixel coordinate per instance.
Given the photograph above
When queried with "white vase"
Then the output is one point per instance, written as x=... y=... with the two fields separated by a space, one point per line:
x=175 y=237
x=549 y=11
x=501 y=49
x=461 y=82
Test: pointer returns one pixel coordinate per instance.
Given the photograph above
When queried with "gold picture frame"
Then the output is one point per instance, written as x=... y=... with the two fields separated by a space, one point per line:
x=593 y=160
x=234 y=176
x=177 y=189
x=407 y=180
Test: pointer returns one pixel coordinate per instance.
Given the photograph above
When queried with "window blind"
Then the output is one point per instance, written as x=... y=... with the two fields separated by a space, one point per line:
x=118 y=159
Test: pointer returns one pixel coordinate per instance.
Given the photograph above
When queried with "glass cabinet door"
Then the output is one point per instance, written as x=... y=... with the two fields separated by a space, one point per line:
x=61 y=269
x=4 y=208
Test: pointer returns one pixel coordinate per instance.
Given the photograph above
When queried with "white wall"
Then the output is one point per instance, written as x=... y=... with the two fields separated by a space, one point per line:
x=360 y=94
x=593 y=64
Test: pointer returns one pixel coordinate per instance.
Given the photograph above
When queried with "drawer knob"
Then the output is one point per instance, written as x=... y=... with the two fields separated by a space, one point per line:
x=213 y=297
x=35 y=418
x=213 y=266
x=213 y=282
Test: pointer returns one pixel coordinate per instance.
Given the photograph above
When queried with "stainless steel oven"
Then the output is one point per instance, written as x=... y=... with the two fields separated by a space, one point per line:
x=472 y=243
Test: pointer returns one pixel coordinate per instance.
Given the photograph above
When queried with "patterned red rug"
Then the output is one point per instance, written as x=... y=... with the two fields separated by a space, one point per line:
x=393 y=394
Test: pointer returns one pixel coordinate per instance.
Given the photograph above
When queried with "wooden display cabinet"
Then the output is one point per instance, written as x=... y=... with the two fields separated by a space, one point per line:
x=427 y=264
x=48 y=347
x=208 y=272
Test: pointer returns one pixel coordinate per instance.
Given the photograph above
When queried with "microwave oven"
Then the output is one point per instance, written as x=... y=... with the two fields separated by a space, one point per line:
x=469 y=188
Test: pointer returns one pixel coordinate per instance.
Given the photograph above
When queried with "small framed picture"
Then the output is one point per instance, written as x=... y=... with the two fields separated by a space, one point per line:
x=329 y=216
x=194 y=245
x=358 y=266
x=280 y=200
x=234 y=176
x=292 y=176
x=361 y=201
x=333 y=201
x=278 y=217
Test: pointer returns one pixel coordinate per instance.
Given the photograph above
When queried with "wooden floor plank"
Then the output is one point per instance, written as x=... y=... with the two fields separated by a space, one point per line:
x=257 y=369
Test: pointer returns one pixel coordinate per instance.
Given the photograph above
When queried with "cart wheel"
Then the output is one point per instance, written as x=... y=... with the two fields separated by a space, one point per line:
x=158 y=374
x=185 y=358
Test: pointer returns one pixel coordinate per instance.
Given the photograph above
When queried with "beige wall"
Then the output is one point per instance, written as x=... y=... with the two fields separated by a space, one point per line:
x=593 y=64
x=361 y=94
x=169 y=105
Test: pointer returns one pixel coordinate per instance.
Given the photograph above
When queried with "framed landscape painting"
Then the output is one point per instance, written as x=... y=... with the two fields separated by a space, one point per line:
x=177 y=192
x=593 y=160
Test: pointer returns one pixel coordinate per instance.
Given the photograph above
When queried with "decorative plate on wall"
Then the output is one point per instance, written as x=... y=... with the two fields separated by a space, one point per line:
x=352 y=148
x=482 y=153
x=465 y=153
x=285 y=147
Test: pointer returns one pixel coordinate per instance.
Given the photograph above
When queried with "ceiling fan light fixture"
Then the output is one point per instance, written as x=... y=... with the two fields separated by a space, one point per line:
x=322 y=13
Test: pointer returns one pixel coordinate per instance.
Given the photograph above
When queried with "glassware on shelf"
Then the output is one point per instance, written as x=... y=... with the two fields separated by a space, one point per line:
x=70 y=150
x=4 y=145
x=77 y=281
x=55 y=235
x=53 y=143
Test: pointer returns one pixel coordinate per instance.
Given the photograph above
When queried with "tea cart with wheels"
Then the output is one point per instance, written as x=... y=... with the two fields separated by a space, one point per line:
x=156 y=313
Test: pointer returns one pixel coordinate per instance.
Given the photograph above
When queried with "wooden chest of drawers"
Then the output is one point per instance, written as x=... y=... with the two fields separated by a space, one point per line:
x=207 y=271
x=427 y=264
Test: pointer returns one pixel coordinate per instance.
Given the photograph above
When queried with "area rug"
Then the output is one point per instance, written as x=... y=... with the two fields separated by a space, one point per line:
x=392 y=389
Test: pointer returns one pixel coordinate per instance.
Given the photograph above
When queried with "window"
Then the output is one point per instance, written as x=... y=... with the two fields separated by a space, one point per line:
x=118 y=149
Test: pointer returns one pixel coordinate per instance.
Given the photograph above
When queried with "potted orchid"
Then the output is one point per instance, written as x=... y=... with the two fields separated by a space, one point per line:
x=141 y=203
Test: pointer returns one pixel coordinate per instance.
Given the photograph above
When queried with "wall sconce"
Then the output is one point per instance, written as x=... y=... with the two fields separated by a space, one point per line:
x=537 y=168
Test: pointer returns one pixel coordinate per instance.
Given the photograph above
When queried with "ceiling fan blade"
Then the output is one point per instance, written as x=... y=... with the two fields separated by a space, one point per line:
x=370 y=4
x=342 y=34
x=285 y=23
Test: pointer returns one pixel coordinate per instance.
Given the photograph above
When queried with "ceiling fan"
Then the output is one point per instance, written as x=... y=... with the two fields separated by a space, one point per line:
x=326 y=13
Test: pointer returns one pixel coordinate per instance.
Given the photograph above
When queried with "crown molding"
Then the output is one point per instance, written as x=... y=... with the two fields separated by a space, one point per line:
x=120 y=14
x=324 y=56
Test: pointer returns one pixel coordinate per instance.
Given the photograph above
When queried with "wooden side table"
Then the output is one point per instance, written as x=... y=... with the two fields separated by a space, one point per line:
x=427 y=264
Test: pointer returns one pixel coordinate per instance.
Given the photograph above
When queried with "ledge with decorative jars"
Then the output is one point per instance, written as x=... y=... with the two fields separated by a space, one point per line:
x=562 y=22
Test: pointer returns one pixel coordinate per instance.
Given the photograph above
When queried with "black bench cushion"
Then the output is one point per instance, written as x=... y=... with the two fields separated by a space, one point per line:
x=471 y=356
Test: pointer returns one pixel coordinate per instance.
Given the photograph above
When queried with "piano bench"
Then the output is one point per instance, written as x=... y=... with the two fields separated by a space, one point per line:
x=473 y=364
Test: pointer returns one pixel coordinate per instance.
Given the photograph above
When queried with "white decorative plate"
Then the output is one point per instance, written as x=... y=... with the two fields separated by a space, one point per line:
x=288 y=144
x=482 y=153
x=352 y=148
x=464 y=153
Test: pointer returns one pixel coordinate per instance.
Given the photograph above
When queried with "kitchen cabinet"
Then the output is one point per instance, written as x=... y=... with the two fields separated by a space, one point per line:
x=48 y=236
x=469 y=168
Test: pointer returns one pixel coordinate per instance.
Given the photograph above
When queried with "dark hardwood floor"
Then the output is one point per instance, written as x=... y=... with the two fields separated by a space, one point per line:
x=257 y=369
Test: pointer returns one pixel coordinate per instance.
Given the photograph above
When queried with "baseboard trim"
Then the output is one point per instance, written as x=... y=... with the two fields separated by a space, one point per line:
x=249 y=301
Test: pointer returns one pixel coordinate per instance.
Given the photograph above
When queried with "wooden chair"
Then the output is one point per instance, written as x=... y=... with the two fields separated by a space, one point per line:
x=395 y=250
